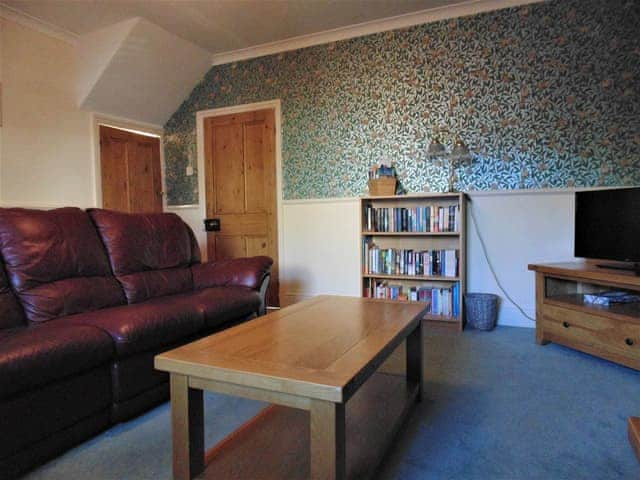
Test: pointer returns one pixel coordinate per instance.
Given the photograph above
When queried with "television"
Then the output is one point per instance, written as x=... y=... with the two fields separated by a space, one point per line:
x=607 y=226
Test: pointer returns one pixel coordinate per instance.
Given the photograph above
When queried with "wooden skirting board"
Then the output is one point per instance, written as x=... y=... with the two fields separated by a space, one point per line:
x=275 y=443
x=634 y=434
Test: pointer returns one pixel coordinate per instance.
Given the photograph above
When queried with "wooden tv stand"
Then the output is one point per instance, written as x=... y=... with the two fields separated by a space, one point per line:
x=611 y=332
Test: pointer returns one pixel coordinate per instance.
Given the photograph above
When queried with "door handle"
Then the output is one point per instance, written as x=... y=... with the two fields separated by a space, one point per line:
x=212 y=224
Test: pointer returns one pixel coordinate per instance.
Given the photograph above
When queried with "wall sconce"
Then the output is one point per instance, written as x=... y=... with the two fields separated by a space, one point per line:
x=459 y=154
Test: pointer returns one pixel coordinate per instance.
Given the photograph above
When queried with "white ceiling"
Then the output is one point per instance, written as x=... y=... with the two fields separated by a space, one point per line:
x=222 y=25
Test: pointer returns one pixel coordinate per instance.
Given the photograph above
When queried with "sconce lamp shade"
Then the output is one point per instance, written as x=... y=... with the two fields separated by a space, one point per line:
x=460 y=150
x=435 y=148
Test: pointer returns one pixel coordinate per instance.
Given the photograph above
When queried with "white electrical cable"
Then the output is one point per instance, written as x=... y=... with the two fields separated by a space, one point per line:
x=493 y=272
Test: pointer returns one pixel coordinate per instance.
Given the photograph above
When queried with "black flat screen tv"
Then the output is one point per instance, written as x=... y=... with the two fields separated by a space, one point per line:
x=607 y=225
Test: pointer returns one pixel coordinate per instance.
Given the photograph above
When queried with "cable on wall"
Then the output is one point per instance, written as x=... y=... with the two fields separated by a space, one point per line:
x=493 y=272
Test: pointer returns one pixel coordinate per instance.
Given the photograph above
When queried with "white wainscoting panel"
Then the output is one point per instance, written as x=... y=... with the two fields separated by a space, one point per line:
x=321 y=249
x=518 y=228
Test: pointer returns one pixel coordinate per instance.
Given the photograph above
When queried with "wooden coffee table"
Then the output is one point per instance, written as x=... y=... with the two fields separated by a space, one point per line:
x=334 y=414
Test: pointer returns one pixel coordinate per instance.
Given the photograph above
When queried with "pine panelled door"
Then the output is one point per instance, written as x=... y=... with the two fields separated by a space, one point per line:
x=240 y=177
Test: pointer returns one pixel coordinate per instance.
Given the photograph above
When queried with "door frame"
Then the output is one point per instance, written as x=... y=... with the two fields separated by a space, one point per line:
x=120 y=123
x=274 y=105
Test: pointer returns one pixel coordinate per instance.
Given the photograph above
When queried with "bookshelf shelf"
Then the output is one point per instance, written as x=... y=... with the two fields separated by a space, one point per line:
x=432 y=278
x=415 y=196
x=440 y=318
x=410 y=234
x=391 y=252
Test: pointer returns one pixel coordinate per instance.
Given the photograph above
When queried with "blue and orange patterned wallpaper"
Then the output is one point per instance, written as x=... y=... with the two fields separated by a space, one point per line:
x=546 y=95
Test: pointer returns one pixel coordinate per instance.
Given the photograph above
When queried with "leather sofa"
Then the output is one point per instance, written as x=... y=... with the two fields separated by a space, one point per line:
x=87 y=299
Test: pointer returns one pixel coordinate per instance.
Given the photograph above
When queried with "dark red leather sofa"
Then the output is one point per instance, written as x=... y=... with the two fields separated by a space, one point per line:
x=87 y=298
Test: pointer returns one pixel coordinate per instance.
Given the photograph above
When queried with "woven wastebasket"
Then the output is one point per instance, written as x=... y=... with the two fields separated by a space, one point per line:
x=482 y=310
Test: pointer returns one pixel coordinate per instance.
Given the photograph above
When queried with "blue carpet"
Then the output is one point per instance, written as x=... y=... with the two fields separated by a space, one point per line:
x=497 y=407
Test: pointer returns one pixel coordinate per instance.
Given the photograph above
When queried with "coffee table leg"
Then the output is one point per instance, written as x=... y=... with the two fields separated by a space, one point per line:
x=328 y=458
x=187 y=422
x=415 y=353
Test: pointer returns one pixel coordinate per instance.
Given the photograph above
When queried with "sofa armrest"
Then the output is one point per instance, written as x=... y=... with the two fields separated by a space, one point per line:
x=263 y=295
x=246 y=272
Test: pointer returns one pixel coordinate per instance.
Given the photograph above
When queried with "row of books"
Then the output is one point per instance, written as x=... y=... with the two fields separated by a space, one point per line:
x=440 y=301
x=431 y=218
x=397 y=261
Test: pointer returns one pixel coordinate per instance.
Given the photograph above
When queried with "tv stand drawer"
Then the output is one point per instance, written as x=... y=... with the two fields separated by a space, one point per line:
x=611 y=338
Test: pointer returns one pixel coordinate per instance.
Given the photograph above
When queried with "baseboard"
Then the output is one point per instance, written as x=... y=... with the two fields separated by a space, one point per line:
x=287 y=299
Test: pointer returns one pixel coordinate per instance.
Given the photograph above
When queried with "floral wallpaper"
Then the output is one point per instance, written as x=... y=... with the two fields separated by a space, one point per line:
x=545 y=95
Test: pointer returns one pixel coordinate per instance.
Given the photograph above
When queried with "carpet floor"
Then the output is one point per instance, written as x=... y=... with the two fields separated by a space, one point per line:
x=497 y=406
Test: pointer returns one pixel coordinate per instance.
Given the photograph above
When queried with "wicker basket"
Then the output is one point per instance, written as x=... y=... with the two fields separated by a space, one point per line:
x=482 y=310
x=382 y=186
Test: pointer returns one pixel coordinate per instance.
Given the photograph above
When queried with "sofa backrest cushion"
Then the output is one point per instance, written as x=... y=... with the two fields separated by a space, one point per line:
x=150 y=254
x=56 y=262
x=11 y=314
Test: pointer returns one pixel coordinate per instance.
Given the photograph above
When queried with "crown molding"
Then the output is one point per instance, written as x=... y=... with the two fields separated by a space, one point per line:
x=465 y=8
x=43 y=205
x=34 y=23
x=469 y=7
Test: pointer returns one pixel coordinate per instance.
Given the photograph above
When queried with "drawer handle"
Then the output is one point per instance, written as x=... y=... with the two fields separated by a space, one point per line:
x=628 y=341
x=565 y=324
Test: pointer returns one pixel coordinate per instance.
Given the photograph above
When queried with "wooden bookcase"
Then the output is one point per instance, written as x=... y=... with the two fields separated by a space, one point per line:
x=417 y=241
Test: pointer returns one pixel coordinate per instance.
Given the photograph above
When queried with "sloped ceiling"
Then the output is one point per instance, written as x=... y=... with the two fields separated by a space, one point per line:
x=137 y=70
x=222 y=25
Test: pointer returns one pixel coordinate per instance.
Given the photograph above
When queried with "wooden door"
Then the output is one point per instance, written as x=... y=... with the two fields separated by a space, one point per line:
x=130 y=168
x=240 y=174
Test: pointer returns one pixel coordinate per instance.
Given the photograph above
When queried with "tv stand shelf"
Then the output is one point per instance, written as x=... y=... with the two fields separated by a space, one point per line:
x=562 y=316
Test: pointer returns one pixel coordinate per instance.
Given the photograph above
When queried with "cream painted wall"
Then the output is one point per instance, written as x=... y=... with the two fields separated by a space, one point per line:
x=194 y=218
x=321 y=249
x=518 y=228
x=1 y=92
x=46 y=156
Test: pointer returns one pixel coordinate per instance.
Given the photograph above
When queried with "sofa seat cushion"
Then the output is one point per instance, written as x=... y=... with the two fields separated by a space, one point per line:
x=224 y=304
x=145 y=326
x=35 y=355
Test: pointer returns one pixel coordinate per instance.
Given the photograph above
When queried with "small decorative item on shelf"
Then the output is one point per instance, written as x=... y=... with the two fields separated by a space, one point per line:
x=458 y=156
x=382 y=180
